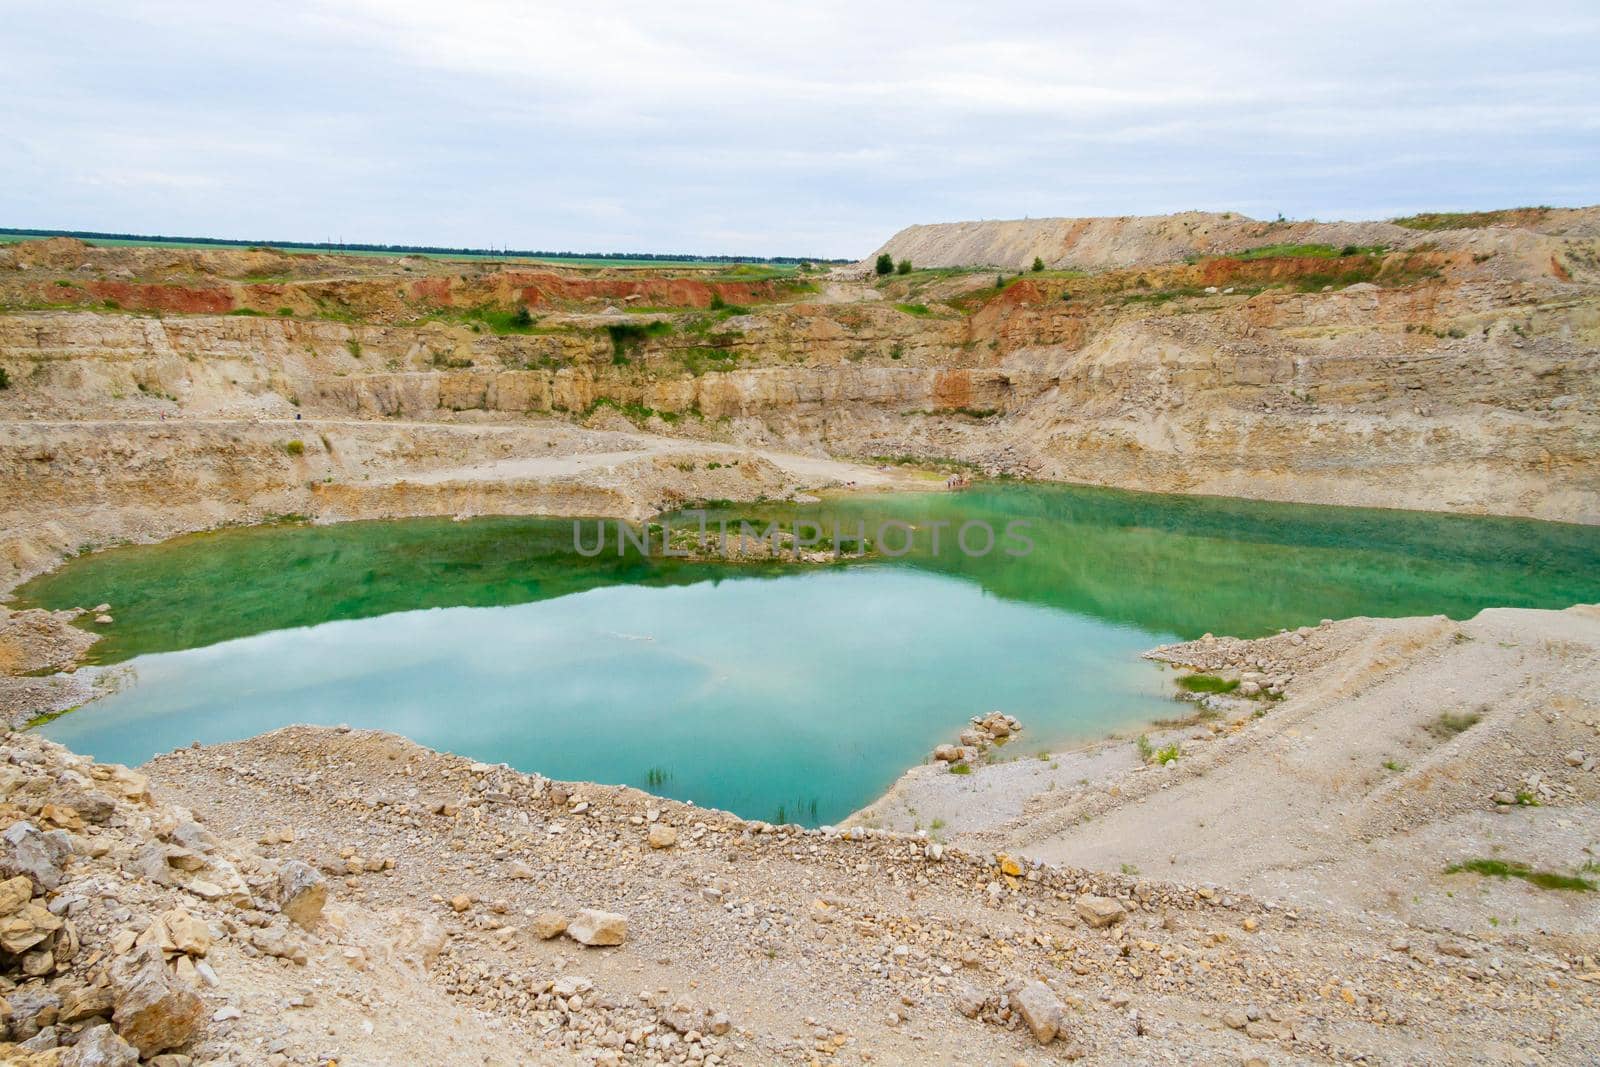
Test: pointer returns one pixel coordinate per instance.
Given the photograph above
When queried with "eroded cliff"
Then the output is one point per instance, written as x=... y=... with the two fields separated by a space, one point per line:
x=156 y=389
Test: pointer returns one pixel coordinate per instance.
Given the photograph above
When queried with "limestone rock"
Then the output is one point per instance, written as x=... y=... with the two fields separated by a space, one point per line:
x=279 y=945
x=598 y=928
x=32 y=1009
x=95 y=806
x=549 y=924
x=46 y=1040
x=14 y=893
x=24 y=849
x=154 y=1011
x=27 y=927
x=1099 y=911
x=663 y=836
x=683 y=1016
x=1041 y=1011
x=85 y=1002
x=100 y=1046
x=187 y=934
x=302 y=892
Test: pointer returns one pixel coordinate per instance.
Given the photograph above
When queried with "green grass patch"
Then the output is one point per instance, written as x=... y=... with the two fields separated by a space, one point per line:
x=1207 y=683
x=1466 y=220
x=516 y=320
x=46 y=717
x=935 y=462
x=1162 y=296
x=295 y=448
x=719 y=304
x=697 y=359
x=249 y=313
x=1335 y=279
x=1512 y=869
x=960 y=768
x=1308 y=251
x=914 y=309
x=636 y=412
x=1449 y=724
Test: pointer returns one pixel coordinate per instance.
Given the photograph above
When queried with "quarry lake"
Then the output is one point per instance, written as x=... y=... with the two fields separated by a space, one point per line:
x=793 y=692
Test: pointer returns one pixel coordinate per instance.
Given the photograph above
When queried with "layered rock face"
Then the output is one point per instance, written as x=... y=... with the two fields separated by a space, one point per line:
x=1453 y=369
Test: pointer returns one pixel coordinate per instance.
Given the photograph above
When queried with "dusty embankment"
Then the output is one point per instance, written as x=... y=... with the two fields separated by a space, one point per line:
x=1147 y=241
x=1400 y=748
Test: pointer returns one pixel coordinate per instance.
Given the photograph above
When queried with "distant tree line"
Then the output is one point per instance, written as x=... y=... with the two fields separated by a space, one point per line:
x=330 y=246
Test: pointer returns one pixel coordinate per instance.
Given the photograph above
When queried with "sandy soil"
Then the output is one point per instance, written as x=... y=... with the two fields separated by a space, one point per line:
x=1348 y=793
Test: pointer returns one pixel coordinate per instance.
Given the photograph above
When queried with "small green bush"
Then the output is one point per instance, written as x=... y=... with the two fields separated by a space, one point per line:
x=5 y=379
x=295 y=448
x=885 y=265
x=1038 y=264
x=1207 y=683
x=1449 y=724
x=626 y=336
x=903 y=267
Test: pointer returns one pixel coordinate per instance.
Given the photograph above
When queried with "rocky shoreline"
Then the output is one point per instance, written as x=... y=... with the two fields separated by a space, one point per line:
x=324 y=890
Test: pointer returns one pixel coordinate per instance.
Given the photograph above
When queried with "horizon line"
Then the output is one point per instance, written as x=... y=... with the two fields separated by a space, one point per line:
x=406 y=249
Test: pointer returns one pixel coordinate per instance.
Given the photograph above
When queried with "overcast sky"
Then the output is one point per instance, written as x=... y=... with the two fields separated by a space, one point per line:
x=773 y=129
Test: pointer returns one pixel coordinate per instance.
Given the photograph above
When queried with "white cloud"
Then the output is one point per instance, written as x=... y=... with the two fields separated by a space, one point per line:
x=814 y=129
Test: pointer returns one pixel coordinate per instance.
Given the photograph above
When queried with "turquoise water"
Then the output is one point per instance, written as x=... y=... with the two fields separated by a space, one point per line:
x=797 y=694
